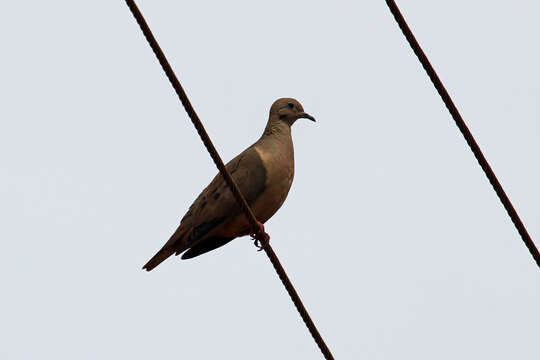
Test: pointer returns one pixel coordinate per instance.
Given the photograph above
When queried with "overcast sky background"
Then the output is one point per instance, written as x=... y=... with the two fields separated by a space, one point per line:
x=391 y=233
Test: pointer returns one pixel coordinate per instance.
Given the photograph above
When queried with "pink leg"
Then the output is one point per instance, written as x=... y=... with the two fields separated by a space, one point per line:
x=261 y=237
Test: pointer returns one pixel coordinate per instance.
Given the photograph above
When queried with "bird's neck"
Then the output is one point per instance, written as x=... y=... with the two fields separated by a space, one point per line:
x=276 y=127
x=277 y=136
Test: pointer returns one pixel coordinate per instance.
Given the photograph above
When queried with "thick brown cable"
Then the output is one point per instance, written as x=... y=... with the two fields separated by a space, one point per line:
x=464 y=130
x=227 y=176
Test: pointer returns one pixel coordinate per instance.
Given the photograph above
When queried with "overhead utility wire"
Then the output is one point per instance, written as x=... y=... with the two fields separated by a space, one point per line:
x=256 y=228
x=464 y=130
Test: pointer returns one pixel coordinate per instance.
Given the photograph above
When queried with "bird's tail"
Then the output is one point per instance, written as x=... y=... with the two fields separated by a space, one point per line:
x=174 y=244
x=160 y=256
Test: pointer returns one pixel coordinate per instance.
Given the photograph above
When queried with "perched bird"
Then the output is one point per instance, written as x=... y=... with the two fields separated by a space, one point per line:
x=263 y=172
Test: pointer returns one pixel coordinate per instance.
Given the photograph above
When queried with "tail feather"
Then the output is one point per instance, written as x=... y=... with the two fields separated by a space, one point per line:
x=175 y=243
x=157 y=259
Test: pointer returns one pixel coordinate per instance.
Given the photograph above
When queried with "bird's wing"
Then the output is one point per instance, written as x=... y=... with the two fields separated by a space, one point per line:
x=215 y=207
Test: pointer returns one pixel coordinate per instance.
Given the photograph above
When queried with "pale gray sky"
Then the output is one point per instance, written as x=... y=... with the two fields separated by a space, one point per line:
x=391 y=233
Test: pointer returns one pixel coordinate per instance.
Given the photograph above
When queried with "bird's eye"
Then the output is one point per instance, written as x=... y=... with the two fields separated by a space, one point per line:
x=290 y=105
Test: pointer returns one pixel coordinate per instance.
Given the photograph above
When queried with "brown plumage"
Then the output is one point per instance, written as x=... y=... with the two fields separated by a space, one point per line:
x=264 y=174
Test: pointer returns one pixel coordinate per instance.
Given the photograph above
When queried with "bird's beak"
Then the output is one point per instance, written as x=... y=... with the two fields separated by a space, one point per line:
x=303 y=115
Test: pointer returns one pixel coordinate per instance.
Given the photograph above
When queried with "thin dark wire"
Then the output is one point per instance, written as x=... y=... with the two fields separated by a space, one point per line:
x=227 y=176
x=464 y=130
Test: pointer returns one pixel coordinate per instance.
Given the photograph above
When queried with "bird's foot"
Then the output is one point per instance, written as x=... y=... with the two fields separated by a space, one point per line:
x=262 y=239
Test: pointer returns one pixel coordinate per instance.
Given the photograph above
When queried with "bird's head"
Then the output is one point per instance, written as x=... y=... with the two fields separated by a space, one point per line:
x=288 y=110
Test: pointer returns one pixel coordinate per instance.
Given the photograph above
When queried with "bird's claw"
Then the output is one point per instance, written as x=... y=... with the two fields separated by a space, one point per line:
x=260 y=237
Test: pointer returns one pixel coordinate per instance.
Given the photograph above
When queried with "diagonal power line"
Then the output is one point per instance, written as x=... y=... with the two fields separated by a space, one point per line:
x=257 y=230
x=464 y=130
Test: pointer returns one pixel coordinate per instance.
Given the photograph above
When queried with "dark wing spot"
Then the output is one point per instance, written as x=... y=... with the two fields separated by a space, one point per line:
x=217 y=195
x=203 y=205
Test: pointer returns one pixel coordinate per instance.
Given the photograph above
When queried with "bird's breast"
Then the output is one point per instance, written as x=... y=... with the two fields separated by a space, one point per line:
x=279 y=164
